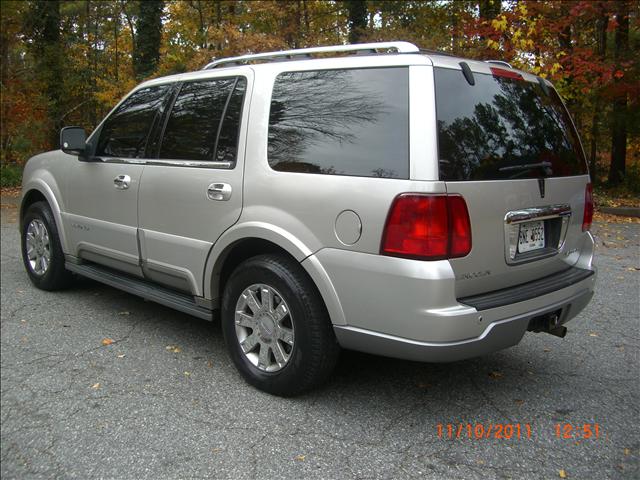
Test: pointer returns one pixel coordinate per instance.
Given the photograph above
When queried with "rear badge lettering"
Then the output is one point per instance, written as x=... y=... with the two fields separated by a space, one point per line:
x=472 y=275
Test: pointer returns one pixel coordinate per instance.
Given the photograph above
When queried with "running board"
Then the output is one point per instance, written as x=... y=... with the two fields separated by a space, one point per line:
x=142 y=288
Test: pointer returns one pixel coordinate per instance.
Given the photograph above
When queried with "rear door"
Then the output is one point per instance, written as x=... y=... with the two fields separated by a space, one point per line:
x=508 y=146
x=192 y=191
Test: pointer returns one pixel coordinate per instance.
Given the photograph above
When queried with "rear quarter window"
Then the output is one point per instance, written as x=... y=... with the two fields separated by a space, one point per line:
x=341 y=122
x=502 y=128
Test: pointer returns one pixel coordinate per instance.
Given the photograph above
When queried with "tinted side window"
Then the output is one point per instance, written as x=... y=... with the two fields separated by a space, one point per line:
x=194 y=121
x=341 y=122
x=227 y=145
x=124 y=134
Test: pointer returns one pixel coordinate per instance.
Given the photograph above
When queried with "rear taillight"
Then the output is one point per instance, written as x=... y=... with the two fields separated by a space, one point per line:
x=427 y=227
x=587 y=218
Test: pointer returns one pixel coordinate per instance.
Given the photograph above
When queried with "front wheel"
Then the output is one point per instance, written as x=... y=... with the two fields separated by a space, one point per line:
x=41 y=249
x=276 y=326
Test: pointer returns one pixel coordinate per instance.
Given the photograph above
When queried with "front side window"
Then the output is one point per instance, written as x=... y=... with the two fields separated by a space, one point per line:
x=124 y=134
x=205 y=118
x=341 y=122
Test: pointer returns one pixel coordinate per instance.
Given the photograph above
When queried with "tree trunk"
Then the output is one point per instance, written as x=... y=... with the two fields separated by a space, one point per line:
x=489 y=9
x=49 y=49
x=149 y=33
x=601 y=39
x=619 y=127
x=357 y=14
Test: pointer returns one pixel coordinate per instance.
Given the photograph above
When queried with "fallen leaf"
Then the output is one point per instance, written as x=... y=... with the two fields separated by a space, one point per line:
x=173 y=348
x=627 y=451
x=106 y=341
x=592 y=334
x=187 y=374
x=95 y=386
x=562 y=474
x=301 y=457
x=209 y=364
x=518 y=401
x=121 y=355
x=216 y=450
x=424 y=385
x=547 y=350
x=495 y=374
x=124 y=313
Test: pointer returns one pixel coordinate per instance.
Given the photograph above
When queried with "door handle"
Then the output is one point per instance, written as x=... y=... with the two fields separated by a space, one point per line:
x=219 y=191
x=121 y=182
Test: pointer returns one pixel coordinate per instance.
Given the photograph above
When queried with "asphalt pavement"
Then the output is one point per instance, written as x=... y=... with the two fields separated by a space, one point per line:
x=162 y=400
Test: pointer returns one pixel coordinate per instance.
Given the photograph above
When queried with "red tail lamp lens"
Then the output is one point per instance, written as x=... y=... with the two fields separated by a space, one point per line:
x=427 y=227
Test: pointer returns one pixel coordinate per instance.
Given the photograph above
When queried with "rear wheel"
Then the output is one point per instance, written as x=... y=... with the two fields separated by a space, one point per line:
x=276 y=326
x=41 y=250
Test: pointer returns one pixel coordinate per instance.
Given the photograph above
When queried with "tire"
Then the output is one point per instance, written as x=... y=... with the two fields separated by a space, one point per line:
x=52 y=275
x=301 y=331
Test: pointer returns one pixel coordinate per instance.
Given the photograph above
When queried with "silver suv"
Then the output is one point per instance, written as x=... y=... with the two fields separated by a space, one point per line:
x=374 y=197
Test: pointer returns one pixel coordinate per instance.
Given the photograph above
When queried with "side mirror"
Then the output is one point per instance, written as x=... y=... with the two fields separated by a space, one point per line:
x=73 y=140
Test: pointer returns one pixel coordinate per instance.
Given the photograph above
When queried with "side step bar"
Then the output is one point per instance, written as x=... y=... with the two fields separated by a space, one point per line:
x=142 y=288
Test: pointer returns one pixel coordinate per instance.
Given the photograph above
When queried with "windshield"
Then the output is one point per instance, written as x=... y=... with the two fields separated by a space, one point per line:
x=502 y=128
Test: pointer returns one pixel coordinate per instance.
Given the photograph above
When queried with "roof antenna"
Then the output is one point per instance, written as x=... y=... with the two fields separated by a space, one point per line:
x=468 y=74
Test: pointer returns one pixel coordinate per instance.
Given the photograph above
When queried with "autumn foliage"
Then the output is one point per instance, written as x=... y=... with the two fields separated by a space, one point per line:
x=69 y=62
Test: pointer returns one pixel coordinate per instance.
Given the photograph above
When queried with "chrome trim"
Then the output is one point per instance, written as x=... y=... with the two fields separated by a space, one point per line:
x=513 y=220
x=219 y=191
x=400 y=47
x=192 y=163
x=537 y=213
x=168 y=162
x=121 y=182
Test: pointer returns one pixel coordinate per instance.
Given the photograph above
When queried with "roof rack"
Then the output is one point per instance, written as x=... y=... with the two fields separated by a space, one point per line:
x=366 y=48
x=436 y=52
x=499 y=62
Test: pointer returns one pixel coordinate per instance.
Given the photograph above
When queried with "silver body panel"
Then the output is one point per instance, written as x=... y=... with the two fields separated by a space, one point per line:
x=169 y=227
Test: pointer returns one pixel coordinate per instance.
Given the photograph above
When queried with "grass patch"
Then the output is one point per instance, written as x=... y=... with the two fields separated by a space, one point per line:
x=10 y=176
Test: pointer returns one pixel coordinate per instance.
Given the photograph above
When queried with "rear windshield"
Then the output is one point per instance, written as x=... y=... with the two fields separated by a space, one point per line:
x=502 y=128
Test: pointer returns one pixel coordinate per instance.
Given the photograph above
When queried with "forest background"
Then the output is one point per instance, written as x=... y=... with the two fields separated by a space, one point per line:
x=70 y=62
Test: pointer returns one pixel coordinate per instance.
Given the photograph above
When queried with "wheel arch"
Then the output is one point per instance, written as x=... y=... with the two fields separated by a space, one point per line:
x=37 y=191
x=256 y=238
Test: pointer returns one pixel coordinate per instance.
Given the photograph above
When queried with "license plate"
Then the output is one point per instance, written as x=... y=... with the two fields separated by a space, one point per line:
x=531 y=236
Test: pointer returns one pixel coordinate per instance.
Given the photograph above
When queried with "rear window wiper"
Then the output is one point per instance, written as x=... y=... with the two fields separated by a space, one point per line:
x=527 y=166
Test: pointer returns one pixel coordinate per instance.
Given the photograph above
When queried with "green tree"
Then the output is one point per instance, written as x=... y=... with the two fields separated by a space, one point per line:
x=148 y=37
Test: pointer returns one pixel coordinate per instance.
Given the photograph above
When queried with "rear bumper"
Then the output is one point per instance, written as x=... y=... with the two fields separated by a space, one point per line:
x=497 y=336
x=408 y=308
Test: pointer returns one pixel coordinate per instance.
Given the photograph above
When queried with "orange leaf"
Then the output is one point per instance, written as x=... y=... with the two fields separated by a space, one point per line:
x=107 y=341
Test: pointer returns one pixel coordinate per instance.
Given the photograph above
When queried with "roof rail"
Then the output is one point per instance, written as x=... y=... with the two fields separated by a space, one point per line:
x=436 y=52
x=399 y=47
x=499 y=62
